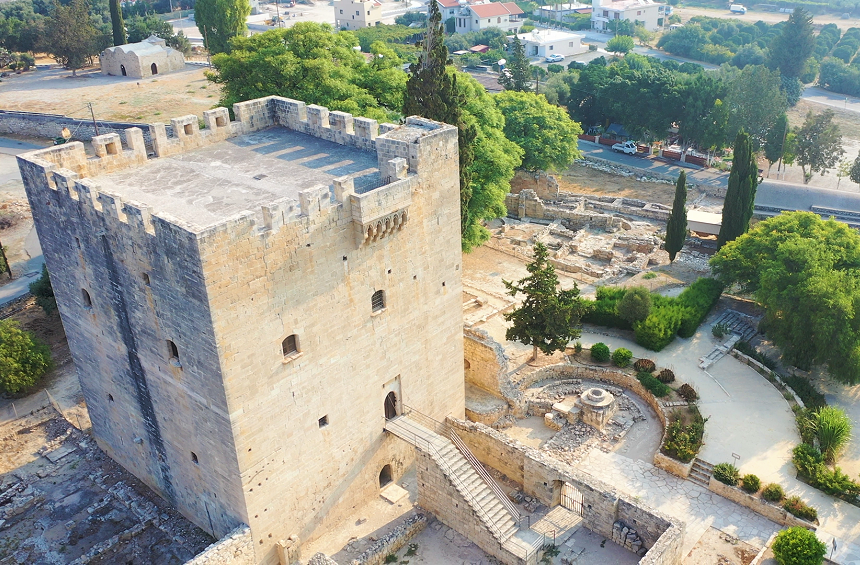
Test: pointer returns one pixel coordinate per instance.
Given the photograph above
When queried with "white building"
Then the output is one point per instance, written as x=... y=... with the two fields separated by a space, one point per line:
x=448 y=8
x=545 y=42
x=606 y=13
x=475 y=17
x=140 y=60
x=356 y=14
x=559 y=12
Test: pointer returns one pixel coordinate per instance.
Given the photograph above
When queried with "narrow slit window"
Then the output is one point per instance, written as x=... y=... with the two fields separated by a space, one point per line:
x=173 y=350
x=194 y=458
x=88 y=302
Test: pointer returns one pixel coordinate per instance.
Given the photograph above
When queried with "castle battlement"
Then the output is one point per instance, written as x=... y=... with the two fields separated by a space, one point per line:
x=375 y=194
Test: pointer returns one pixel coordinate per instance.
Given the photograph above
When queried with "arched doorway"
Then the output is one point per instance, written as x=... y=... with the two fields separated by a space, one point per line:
x=385 y=476
x=122 y=70
x=154 y=68
x=390 y=406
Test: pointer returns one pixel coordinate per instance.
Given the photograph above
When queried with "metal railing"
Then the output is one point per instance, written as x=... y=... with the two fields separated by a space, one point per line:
x=445 y=430
x=427 y=445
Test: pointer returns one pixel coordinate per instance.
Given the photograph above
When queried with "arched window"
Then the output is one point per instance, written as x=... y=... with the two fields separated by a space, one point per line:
x=377 y=301
x=88 y=302
x=290 y=345
x=390 y=406
x=173 y=350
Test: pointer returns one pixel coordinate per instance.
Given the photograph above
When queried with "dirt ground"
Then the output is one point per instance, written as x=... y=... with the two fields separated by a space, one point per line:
x=585 y=180
x=154 y=99
x=61 y=499
x=718 y=548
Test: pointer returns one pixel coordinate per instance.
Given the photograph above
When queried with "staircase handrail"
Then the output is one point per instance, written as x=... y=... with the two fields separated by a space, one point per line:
x=464 y=491
x=445 y=429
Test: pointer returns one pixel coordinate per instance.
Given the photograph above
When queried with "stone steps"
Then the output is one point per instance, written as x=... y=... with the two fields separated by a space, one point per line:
x=460 y=473
x=701 y=472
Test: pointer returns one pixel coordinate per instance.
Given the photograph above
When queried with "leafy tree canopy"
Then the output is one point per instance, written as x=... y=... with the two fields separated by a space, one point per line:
x=794 y=45
x=545 y=132
x=805 y=272
x=755 y=101
x=620 y=44
x=70 y=37
x=312 y=63
x=43 y=291
x=818 y=144
x=23 y=358
x=220 y=21
x=798 y=546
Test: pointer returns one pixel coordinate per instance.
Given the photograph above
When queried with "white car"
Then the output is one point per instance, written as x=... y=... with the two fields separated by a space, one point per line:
x=628 y=147
x=554 y=58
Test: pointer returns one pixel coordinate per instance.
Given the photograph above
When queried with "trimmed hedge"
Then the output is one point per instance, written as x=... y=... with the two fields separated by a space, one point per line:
x=654 y=386
x=773 y=492
x=750 y=483
x=668 y=317
x=600 y=352
x=622 y=356
x=800 y=509
x=646 y=365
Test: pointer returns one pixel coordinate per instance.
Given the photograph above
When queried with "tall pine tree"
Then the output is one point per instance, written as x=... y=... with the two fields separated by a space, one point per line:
x=517 y=73
x=119 y=37
x=548 y=317
x=740 y=196
x=676 y=229
x=431 y=92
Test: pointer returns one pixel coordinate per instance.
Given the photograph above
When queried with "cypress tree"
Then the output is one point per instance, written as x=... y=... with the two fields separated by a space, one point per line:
x=740 y=196
x=431 y=92
x=517 y=73
x=119 y=37
x=676 y=229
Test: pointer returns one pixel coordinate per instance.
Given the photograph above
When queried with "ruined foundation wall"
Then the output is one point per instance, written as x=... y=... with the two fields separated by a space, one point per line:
x=236 y=548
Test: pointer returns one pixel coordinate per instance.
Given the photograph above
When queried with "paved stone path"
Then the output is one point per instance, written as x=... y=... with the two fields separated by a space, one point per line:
x=698 y=507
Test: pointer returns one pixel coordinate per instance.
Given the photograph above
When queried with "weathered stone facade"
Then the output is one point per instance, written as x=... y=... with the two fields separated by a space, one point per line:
x=239 y=307
x=236 y=548
x=144 y=59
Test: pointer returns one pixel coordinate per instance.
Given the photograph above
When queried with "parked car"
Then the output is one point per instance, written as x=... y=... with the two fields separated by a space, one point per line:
x=554 y=58
x=628 y=147
x=737 y=9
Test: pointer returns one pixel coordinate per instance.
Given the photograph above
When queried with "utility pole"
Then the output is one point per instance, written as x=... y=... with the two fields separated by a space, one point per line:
x=278 y=13
x=93 y=114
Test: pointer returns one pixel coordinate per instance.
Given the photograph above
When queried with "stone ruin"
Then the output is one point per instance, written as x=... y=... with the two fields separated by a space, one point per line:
x=594 y=407
x=626 y=537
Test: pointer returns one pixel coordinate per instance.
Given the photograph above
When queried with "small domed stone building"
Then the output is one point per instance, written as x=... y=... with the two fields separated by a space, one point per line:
x=149 y=57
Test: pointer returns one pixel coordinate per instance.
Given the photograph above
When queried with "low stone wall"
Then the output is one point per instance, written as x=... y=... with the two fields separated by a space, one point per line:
x=677 y=468
x=764 y=371
x=543 y=478
x=392 y=541
x=236 y=548
x=758 y=505
x=622 y=380
x=33 y=124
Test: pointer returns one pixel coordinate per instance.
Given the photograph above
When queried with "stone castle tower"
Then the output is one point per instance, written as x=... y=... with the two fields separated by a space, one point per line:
x=247 y=305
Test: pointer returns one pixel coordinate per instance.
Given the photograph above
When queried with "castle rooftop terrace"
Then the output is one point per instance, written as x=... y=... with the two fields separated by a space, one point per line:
x=206 y=186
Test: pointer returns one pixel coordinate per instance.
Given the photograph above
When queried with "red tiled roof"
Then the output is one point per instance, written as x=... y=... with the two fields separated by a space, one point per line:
x=494 y=9
x=449 y=3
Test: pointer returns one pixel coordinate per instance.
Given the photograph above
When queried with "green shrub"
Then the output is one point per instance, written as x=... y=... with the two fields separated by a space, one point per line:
x=750 y=483
x=833 y=429
x=807 y=459
x=635 y=305
x=836 y=483
x=773 y=492
x=666 y=376
x=653 y=386
x=800 y=509
x=727 y=474
x=621 y=357
x=747 y=349
x=600 y=352
x=697 y=302
x=684 y=442
x=645 y=365
x=804 y=389
x=577 y=347
x=798 y=546
x=720 y=330
x=23 y=358
x=603 y=310
x=688 y=393
x=649 y=276
x=658 y=330
x=804 y=420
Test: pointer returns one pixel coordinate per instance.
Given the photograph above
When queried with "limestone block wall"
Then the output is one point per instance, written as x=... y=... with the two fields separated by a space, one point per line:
x=543 y=477
x=236 y=548
x=235 y=432
x=486 y=367
x=139 y=65
x=438 y=496
x=759 y=505
x=34 y=124
x=127 y=281
x=543 y=184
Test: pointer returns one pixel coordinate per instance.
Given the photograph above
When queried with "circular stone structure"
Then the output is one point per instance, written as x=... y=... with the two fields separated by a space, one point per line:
x=598 y=407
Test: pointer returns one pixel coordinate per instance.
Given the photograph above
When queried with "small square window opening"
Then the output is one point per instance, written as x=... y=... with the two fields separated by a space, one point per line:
x=290 y=345
x=323 y=422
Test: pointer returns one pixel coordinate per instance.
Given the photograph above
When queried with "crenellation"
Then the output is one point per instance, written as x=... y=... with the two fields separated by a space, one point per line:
x=280 y=213
x=111 y=205
x=256 y=114
x=386 y=127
